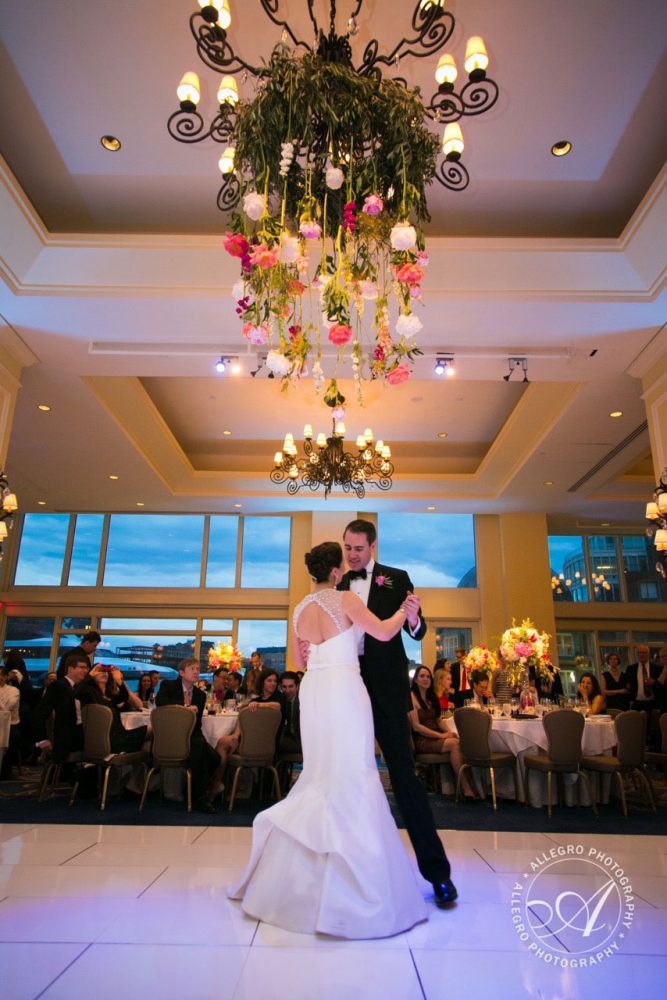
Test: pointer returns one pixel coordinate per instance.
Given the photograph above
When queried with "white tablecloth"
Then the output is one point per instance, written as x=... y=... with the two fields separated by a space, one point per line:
x=522 y=736
x=213 y=726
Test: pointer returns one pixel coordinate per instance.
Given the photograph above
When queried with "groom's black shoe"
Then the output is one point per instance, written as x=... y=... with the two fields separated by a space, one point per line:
x=444 y=892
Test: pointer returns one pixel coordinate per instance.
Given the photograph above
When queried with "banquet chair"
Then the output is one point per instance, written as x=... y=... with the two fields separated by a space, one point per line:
x=97 y=721
x=285 y=764
x=257 y=749
x=52 y=766
x=172 y=731
x=564 y=729
x=473 y=728
x=433 y=763
x=659 y=757
x=629 y=758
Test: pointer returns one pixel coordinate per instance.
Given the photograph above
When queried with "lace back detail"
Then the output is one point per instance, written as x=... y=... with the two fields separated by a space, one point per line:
x=330 y=601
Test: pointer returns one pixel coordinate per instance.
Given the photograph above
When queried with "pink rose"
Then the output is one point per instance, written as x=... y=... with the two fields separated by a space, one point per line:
x=423 y=258
x=410 y=274
x=340 y=333
x=310 y=230
x=401 y=373
x=235 y=244
x=264 y=256
x=524 y=648
x=373 y=205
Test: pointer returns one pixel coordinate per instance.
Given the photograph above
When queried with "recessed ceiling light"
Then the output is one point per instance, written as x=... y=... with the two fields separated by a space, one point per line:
x=616 y=413
x=140 y=503
x=548 y=482
x=604 y=524
x=110 y=143
x=238 y=506
x=227 y=433
x=430 y=508
x=114 y=477
x=561 y=148
x=442 y=434
x=42 y=503
x=44 y=407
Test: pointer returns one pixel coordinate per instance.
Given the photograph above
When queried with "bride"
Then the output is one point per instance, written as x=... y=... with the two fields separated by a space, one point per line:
x=328 y=858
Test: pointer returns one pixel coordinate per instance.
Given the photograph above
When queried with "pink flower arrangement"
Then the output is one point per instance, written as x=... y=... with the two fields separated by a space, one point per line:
x=310 y=230
x=257 y=335
x=401 y=373
x=340 y=334
x=373 y=205
x=235 y=244
x=410 y=274
x=264 y=256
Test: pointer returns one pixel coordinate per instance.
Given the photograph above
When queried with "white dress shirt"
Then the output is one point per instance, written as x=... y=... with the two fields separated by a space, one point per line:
x=9 y=702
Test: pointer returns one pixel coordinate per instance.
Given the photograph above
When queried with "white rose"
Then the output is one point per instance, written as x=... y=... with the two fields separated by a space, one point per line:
x=254 y=205
x=369 y=290
x=408 y=326
x=289 y=249
x=238 y=290
x=278 y=363
x=334 y=178
x=403 y=236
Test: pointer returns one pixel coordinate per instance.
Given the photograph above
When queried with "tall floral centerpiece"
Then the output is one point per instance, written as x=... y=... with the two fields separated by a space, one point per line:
x=224 y=654
x=522 y=647
x=333 y=168
x=481 y=658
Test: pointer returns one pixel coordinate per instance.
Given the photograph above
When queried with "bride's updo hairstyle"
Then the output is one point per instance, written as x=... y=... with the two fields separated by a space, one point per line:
x=322 y=559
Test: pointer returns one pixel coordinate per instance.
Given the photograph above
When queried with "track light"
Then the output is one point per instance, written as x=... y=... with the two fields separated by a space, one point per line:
x=261 y=358
x=221 y=366
x=514 y=364
x=231 y=364
x=444 y=366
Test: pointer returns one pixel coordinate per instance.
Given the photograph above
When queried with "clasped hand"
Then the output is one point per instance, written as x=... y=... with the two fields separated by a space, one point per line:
x=412 y=605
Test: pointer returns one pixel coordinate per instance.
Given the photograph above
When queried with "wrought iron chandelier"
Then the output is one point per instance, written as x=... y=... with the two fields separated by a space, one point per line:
x=325 y=463
x=431 y=28
x=656 y=513
x=8 y=506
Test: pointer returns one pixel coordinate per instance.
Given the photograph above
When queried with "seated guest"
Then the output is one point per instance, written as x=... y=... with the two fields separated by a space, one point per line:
x=105 y=686
x=614 y=685
x=19 y=678
x=219 y=688
x=267 y=690
x=290 y=732
x=479 y=693
x=155 y=679
x=204 y=760
x=61 y=700
x=661 y=682
x=546 y=688
x=588 y=694
x=233 y=683
x=9 y=702
x=145 y=690
x=442 y=684
x=427 y=736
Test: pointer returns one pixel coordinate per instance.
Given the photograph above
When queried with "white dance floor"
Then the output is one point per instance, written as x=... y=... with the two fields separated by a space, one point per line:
x=109 y=912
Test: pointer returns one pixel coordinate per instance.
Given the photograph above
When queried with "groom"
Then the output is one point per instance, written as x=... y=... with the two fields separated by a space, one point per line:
x=384 y=671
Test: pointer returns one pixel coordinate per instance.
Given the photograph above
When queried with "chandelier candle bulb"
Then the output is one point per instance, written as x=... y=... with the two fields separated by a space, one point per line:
x=340 y=429
x=386 y=451
x=10 y=503
x=368 y=434
x=308 y=432
x=228 y=91
x=278 y=457
x=221 y=7
x=361 y=442
x=379 y=446
x=226 y=161
x=446 y=72
x=321 y=441
x=477 y=59
x=188 y=90
x=652 y=511
x=452 y=141
x=662 y=503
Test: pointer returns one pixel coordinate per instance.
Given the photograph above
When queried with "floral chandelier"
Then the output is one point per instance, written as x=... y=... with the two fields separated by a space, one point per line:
x=326 y=463
x=656 y=513
x=330 y=163
x=8 y=507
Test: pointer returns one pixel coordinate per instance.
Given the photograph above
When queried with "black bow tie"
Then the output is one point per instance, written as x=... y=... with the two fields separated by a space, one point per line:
x=358 y=574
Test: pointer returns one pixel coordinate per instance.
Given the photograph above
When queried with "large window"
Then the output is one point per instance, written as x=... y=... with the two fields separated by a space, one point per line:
x=437 y=550
x=154 y=550
x=569 y=580
x=266 y=542
x=86 y=550
x=42 y=551
x=604 y=568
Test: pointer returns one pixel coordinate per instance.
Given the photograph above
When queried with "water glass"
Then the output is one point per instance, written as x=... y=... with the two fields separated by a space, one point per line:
x=507 y=709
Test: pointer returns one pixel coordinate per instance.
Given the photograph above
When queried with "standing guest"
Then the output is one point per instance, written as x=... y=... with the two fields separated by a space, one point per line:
x=614 y=685
x=86 y=648
x=478 y=694
x=427 y=734
x=551 y=689
x=290 y=733
x=642 y=677
x=661 y=682
x=442 y=684
x=9 y=702
x=145 y=690
x=204 y=760
x=384 y=671
x=501 y=686
x=60 y=699
x=460 y=676
x=588 y=694
x=252 y=674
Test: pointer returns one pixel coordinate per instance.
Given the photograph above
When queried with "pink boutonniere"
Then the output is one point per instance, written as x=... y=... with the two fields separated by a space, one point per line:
x=384 y=581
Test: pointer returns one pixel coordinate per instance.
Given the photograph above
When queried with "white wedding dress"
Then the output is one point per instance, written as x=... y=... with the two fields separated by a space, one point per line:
x=328 y=858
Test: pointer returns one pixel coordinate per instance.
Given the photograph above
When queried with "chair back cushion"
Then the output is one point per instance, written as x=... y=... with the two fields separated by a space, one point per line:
x=631 y=733
x=565 y=729
x=172 y=729
x=473 y=727
x=258 y=733
x=96 y=721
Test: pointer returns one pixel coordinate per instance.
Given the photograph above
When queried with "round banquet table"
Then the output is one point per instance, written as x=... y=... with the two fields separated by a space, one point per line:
x=522 y=736
x=213 y=726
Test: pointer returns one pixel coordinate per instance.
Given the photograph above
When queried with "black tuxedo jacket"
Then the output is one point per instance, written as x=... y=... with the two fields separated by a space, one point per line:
x=632 y=677
x=384 y=665
x=171 y=693
x=293 y=731
x=59 y=700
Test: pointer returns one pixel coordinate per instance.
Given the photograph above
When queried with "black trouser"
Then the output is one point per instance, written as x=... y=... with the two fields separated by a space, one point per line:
x=393 y=735
x=203 y=762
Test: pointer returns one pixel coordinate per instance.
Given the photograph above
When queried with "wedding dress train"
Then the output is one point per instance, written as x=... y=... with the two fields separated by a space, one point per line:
x=328 y=858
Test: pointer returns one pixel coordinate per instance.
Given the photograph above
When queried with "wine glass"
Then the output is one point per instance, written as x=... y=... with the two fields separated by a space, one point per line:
x=507 y=709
